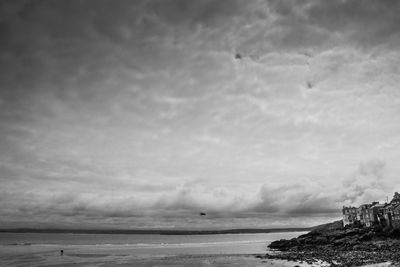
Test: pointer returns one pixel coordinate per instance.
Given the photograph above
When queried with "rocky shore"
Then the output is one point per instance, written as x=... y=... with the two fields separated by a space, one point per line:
x=336 y=245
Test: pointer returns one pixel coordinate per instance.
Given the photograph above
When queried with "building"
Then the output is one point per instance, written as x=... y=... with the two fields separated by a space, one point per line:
x=363 y=215
x=396 y=199
x=349 y=215
x=396 y=216
x=376 y=213
x=387 y=214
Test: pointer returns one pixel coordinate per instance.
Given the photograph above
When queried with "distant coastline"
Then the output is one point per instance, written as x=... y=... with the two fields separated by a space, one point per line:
x=153 y=231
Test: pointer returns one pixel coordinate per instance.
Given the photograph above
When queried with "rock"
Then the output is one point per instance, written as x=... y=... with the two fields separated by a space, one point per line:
x=341 y=247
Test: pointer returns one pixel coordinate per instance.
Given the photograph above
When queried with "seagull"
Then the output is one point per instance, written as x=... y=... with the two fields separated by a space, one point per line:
x=309 y=85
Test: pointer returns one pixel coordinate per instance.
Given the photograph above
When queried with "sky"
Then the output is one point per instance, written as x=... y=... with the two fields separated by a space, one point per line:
x=142 y=114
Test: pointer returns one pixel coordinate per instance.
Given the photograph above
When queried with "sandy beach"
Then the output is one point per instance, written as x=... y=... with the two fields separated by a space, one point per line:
x=138 y=250
x=78 y=256
x=35 y=256
x=219 y=254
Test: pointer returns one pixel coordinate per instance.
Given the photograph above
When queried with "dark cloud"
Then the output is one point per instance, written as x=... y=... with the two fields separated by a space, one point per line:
x=205 y=12
x=305 y=199
x=367 y=22
x=322 y=24
x=80 y=39
x=297 y=199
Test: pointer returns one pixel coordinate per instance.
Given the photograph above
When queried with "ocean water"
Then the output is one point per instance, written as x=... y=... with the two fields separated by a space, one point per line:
x=38 y=249
x=181 y=244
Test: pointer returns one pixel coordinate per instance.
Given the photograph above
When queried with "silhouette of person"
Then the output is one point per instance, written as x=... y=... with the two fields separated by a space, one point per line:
x=61 y=252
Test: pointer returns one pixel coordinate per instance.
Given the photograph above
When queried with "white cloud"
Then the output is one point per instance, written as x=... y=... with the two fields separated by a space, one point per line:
x=127 y=105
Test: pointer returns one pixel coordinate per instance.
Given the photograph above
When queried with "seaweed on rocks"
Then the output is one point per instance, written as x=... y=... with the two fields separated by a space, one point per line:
x=341 y=246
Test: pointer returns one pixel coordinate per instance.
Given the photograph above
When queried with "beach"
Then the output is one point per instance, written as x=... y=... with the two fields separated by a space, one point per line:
x=85 y=258
x=144 y=250
x=138 y=250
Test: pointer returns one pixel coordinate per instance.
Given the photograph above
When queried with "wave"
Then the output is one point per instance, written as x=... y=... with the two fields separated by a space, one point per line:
x=20 y=244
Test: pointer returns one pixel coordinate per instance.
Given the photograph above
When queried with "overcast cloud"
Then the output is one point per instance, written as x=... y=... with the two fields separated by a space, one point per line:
x=141 y=114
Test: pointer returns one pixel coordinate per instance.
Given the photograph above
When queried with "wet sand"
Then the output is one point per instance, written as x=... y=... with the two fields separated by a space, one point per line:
x=122 y=256
x=192 y=254
x=94 y=256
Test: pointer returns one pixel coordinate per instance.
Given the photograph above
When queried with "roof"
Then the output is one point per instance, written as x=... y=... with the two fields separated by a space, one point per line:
x=396 y=206
x=377 y=206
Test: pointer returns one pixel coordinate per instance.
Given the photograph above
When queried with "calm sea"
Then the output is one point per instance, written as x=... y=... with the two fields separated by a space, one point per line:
x=165 y=244
x=37 y=249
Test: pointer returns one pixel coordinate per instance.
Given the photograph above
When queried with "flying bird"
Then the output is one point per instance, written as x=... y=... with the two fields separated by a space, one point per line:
x=203 y=214
x=255 y=58
x=309 y=85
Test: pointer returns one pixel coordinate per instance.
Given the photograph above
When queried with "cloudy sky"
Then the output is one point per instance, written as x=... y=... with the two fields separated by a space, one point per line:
x=141 y=114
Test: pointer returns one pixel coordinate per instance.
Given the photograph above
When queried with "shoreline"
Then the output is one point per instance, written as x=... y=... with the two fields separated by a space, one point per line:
x=39 y=257
x=85 y=258
x=81 y=250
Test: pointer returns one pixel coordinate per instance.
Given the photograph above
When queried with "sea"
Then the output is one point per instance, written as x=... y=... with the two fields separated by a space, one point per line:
x=61 y=249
